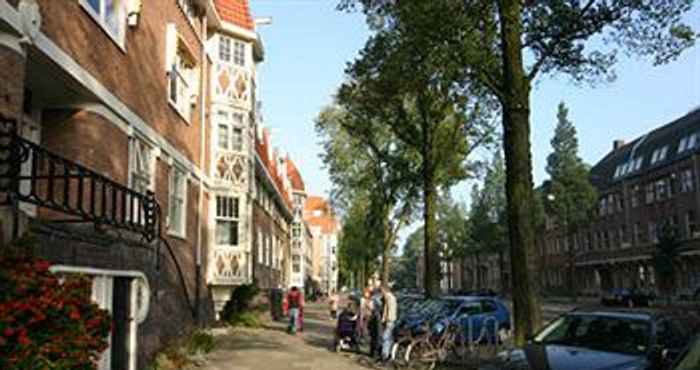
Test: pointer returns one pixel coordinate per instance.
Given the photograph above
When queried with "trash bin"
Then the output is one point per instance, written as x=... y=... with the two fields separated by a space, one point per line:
x=276 y=311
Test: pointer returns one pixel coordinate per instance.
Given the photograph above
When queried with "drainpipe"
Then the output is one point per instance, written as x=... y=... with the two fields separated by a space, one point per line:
x=202 y=158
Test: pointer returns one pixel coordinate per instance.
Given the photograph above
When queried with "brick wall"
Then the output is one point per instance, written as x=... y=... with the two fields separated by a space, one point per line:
x=137 y=76
x=12 y=71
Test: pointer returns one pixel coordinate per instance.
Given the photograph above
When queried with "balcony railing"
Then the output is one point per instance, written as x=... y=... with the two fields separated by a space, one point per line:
x=32 y=174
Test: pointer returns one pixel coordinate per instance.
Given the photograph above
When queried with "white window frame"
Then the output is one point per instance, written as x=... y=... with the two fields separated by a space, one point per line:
x=183 y=77
x=188 y=8
x=175 y=228
x=99 y=16
x=142 y=166
x=225 y=49
x=238 y=53
x=228 y=216
x=261 y=248
x=687 y=181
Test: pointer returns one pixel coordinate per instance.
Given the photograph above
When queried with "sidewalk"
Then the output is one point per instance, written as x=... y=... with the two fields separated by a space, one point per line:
x=273 y=349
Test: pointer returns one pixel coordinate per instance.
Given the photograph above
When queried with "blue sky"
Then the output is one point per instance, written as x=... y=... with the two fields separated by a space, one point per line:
x=309 y=43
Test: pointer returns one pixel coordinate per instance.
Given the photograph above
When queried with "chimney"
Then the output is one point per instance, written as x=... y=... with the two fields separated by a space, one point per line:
x=617 y=144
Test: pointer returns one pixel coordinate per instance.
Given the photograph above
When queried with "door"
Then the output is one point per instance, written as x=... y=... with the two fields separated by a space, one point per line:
x=121 y=319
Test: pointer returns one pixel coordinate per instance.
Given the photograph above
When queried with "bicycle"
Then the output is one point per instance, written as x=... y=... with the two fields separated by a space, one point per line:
x=437 y=343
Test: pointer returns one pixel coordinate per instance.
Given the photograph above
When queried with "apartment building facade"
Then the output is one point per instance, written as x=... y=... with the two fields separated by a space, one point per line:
x=325 y=230
x=643 y=185
x=302 y=239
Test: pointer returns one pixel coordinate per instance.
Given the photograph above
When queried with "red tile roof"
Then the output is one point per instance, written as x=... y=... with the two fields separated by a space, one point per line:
x=326 y=220
x=294 y=176
x=236 y=12
x=262 y=145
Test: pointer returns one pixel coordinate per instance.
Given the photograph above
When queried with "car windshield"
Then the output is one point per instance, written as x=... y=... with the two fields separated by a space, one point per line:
x=600 y=333
x=691 y=359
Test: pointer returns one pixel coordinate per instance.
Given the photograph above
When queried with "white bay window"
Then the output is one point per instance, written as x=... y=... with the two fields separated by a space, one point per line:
x=227 y=220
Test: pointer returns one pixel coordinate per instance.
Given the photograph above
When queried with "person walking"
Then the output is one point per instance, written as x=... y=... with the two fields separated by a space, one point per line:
x=365 y=312
x=294 y=301
x=389 y=315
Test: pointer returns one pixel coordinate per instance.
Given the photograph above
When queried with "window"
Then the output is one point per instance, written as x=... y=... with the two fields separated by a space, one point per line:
x=261 y=249
x=691 y=224
x=227 y=217
x=189 y=9
x=237 y=139
x=489 y=306
x=638 y=164
x=634 y=197
x=611 y=203
x=653 y=236
x=638 y=234
x=650 y=193
x=224 y=49
x=177 y=201
x=182 y=74
x=687 y=181
x=659 y=154
x=110 y=15
x=296 y=264
x=239 y=53
x=662 y=189
x=223 y=137
x=623 y=234
x=682 y=145
x=687 y=143
x=141 y=164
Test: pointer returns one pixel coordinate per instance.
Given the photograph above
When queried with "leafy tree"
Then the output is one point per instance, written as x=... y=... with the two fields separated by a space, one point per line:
x=665 y=256
x=418 y=90
x=359 y=245
x=404 y=272
x=452 y=232
x=365 y=164
x=556 y=36
x=572 y=196
x=488 y=216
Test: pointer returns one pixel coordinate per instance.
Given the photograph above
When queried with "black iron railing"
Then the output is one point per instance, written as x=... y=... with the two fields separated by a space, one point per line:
x=32 y=174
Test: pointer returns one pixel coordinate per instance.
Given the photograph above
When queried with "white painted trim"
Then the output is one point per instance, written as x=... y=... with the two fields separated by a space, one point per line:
x=112 y=103
x=120 y=39
x=12 y=42
x=239 y=31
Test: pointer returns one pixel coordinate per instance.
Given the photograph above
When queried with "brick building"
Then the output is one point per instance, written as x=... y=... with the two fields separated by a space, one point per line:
x=644 y=184
x=325 y=230
x=129 y=146
x=272 y=217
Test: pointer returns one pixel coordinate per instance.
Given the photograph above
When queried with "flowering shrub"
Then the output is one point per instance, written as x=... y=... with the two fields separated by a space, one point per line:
x=47 y=323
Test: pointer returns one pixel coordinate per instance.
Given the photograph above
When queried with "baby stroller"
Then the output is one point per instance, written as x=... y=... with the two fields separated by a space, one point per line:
x=346 y=333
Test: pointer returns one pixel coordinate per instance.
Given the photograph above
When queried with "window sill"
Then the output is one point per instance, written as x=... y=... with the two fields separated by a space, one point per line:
x=173 y=105
x=177 y=235
x=118 y=40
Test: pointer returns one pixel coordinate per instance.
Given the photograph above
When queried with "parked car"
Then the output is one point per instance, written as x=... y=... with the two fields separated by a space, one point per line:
x=600 y=339
x=690 y=358
x=486 y=314
x=626 y=298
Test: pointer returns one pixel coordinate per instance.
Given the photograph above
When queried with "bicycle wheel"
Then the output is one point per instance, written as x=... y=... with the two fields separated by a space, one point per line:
x=420 y=356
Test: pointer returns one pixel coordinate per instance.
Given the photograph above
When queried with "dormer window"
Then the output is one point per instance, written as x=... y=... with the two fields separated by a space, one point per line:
x=239 y=53
x=659 y=154
x=687 y=143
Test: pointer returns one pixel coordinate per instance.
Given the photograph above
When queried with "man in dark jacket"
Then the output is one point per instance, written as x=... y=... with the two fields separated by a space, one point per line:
x=375 y=325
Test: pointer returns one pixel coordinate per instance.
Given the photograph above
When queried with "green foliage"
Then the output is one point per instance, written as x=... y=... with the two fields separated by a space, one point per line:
x=404 y=272
x=665 y=255
x=240 y=301
x=573 y=197
x=360 y=244
x=47 y=323
x=453 y=230
x=248 y=319
x=200 y=342
x=489 y=232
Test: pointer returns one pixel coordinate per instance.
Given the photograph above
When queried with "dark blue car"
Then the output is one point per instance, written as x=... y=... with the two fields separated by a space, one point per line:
x=481 y=318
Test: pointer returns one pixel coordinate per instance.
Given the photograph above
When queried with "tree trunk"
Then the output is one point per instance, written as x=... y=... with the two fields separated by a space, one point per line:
x=519 y=186
x=501 y=268
x=431 y=276
x=387 y=240
x=572 y=270
x=478 y=271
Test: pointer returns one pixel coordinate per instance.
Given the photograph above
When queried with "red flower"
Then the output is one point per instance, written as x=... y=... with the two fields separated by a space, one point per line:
x=23 y=340
x=75 y=315
x=8 y=332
